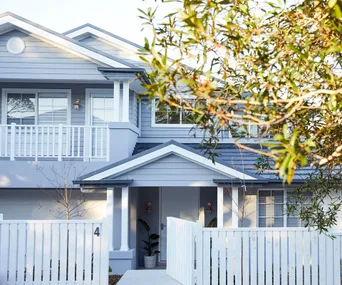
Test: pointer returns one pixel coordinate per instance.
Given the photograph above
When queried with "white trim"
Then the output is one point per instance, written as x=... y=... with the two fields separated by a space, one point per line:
x=160 y=220
x=110 y=217
x=220 y=204
x=88 y=104
x=235 y=207
x=152 y=156
x=60 y=41
x=35 y=91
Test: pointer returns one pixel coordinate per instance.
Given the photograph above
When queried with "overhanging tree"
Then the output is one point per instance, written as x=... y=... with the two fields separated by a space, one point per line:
x=273 y=66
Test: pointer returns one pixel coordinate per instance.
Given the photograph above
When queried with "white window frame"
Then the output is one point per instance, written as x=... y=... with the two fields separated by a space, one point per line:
x=180 y=125
x=88 y=104
x=284 y=205
x=6 y=91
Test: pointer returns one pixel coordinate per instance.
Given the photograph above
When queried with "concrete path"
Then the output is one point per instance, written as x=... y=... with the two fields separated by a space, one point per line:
x=147 y=277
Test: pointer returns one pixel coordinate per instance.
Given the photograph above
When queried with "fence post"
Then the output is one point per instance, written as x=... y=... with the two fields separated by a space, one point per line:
x=199 y=253
x=60 y=142
x=12 y=154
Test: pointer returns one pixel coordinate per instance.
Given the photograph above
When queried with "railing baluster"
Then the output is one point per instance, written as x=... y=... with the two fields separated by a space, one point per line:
x=101 y=142
x=19 y=140
x=72 y=141
x=48 y=142
x=53 y=141
x=25 y=141
x=60 y=142
x=78 y=142
x=31 y=140
x=42 y=140
x=12 y=141
x=96 y=139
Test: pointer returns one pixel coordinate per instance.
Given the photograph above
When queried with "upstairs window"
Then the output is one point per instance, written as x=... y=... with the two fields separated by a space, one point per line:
x=163 y=115
x=43 y=107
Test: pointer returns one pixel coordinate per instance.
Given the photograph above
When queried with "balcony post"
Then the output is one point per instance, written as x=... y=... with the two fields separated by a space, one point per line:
x=235 y=207
x=60 y=142
x=220 y=204
x=125 y=103
x=117 y=101
x=12 y=150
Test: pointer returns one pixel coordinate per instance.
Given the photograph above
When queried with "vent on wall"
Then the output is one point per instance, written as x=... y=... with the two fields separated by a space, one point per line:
x=15 y=45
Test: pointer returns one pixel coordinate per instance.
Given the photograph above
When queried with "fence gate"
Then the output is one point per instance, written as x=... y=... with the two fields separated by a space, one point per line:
x=53 y=252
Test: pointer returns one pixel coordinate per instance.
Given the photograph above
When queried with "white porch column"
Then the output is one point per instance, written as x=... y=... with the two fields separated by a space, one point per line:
x=124 y=219
x=220 y=204
x=125 y=103
x=116 y=101
x=110 y=217
x=235 y=207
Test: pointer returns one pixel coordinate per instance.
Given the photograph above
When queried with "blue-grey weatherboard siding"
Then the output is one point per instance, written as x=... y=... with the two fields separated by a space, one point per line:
x=41 y=60
x=171 y=170
x=127 y=55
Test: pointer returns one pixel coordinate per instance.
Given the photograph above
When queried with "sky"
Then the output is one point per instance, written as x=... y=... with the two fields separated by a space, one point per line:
x=117 y=16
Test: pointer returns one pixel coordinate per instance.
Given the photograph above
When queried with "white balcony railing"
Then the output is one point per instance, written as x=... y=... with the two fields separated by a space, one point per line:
x=59 y=142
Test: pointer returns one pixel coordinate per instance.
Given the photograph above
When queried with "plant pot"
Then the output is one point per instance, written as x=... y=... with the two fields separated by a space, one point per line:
x=150 y=261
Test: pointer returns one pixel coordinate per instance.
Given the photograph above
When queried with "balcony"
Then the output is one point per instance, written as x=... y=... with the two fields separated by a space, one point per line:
x=54 y=142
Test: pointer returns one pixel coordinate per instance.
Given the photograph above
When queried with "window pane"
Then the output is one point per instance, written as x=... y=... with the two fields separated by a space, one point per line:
x=52 y=108
x=102 y=109
x=271 y=222
x=161 y=117
x=187 y=117
x=21 y=108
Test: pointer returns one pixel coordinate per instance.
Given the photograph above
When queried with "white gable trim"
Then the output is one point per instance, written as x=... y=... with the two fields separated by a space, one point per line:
x=108 y=38
x=170 y=149
x=63 y=43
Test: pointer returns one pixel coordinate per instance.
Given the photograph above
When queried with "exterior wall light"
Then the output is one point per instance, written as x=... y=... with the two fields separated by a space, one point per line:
x=209 y=208
x=148 y=208
x=77 y=104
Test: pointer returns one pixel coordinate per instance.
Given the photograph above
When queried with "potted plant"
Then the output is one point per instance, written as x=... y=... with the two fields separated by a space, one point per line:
x=150 y=260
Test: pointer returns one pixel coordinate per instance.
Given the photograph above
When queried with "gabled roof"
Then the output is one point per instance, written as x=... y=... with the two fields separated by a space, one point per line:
x=9 y=21
x=89 y=29
x=160 y=151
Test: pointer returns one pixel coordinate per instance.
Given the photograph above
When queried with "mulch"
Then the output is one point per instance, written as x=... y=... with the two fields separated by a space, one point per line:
x=114 y=279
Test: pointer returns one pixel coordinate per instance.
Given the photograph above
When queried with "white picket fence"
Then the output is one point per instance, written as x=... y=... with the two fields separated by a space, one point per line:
x=54 y=142
x=53 y=252
x=253 y=256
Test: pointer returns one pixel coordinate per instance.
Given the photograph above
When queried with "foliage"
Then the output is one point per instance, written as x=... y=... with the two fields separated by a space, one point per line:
x=152 y=242
x=272 y=65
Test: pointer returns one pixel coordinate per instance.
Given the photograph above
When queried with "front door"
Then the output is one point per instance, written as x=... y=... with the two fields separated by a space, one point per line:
x=178 y=202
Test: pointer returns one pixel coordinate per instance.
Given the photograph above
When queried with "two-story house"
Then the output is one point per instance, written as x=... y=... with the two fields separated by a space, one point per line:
x=72 y=99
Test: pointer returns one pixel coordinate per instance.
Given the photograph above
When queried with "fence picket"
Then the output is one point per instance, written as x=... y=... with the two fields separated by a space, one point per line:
x=38 y=255
x=21 y=252
x=88 y=253
x=299 y=257
x=230 y=257
x=329 y=261
x=222 y=256
x=80 y=253
x=245 y=257
x=206 y=258
x=276 y=258
x=30 y=253
x=238 y=259
x=55 y=254
x=284 y=257
x=46 y=252
x=337 y=259
x=12 y=262
x=306 y=258
x=71 y=252
x=4 y=242
x=253 y=257
x=269 y=257
x=261 y=257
